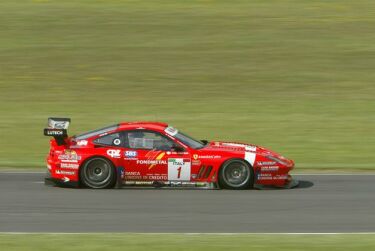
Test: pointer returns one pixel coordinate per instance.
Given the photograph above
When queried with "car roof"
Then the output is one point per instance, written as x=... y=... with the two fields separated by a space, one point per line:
x=142 y=124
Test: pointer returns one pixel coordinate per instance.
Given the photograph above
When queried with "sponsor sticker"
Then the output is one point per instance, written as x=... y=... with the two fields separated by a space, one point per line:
x=155 y=177
x=266 y=163
x=152 y=162
x=117 y=142
x=131 y=154
x=209 y=156
x=247 y=147
x=82 y=143
x=179 y=169
x=69 y=166
x=65 y=172
x=133 y=173
x=171 y=131
x=52 y=132
x=268 y=176
x=196 y=162
x=269 y=168
x=113 y=153
x=69 y=156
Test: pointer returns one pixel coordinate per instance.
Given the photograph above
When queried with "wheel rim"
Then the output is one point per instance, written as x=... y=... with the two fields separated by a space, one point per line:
x=97 y=172
x=236 y=174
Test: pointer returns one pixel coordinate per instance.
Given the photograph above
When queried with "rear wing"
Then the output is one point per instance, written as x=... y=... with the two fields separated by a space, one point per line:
x=58 y=128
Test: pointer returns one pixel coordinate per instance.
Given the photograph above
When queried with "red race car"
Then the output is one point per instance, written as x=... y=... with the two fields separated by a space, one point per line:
x=156 y=154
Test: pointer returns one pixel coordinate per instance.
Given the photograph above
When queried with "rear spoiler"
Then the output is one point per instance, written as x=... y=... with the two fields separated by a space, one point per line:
x=57 y=128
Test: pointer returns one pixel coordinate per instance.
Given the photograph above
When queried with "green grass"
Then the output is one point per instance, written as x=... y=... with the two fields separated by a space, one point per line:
x=294 y=76
x=205 y=242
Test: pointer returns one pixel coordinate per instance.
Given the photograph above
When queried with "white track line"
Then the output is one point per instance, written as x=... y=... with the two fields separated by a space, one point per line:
x=135 y=233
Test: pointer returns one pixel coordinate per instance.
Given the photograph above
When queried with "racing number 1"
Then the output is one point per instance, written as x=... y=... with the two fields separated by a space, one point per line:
x=179 y=169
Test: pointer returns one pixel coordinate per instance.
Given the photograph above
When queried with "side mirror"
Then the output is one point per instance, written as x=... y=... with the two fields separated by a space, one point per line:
x=178 y=148
x=204 y=141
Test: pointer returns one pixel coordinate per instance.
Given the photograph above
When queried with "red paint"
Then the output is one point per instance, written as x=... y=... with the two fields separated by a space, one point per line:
x=153 y=164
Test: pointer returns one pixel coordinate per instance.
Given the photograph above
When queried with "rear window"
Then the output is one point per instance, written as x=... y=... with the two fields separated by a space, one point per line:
x=96 y=132
x=113 y=139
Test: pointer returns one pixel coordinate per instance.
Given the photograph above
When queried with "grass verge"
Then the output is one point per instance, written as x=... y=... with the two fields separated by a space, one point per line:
x=295 y=76
x=113 y=242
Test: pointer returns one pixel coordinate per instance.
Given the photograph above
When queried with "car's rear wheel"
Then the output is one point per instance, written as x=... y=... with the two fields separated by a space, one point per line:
x=236 y=174
x=98 y=173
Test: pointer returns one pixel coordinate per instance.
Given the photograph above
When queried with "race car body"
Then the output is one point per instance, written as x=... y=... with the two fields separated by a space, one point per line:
x=155 y=153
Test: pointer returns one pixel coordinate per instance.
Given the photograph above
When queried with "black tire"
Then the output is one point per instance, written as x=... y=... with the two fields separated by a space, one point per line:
x=236 y=174
x=98 y=173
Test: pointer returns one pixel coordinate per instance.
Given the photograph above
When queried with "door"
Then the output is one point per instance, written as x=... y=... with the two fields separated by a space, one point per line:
x=152 y=156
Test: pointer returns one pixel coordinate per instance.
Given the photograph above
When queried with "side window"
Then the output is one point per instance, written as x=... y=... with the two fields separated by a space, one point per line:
x=113 y=139
x=148 y=140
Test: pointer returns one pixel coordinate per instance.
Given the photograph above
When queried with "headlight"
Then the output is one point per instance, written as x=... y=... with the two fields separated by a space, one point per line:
x=278 y=160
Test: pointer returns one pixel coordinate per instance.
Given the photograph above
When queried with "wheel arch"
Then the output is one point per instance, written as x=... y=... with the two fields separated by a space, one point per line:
x=230 y=159
x=92 y=157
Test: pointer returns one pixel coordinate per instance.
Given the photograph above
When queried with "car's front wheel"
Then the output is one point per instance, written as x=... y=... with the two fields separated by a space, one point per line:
x=236 y=174
x=98 y=173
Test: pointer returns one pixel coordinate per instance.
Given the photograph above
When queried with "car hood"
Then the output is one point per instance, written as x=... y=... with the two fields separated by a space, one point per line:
x=238 y=147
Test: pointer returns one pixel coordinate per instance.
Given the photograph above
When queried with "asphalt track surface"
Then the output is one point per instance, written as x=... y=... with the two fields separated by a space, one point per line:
x=323 y=203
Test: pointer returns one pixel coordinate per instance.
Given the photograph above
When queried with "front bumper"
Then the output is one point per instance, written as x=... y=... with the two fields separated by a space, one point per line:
x=292 y=183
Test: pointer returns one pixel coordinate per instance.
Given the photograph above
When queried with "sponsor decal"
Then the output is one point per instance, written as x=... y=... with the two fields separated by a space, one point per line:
x=269 y=168
x=121 y=171
x=264 y=176
x=250 y=157
x=196 y=162
x=117 y=142
x=158 y=155
x=179 y=153
x=209 y=156
x=179 y=169
x=69 y=161
x=234 y=144
x=171 y=131
x=193 y=176
x=69 y=166
x=82 y=143
x=54 y=132
x=65 y=172
x=69 y=156
x=113 y=153
x=131 y=154
x=132 y=176
x=60 y=125
x=195 y=156
x=133 y=173
x=155 y=177
x=251 y=148
x=268 y=176
x=247 y=147
x=151 y=162
x=266 y=163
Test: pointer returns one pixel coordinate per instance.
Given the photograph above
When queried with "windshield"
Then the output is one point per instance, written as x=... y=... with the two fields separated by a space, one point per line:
x=96 y=132
x=187 y=140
